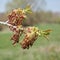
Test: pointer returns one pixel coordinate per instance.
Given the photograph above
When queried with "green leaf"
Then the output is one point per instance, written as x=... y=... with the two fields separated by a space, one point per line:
x=28 y=9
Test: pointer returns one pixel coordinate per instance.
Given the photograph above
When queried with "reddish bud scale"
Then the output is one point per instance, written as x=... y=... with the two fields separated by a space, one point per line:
x=12 y=18
x=16 y=35
x=15 y=18
x=15 y=38
x=27 y=41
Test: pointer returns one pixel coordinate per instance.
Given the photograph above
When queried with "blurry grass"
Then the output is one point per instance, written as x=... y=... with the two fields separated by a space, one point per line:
x=41 y=50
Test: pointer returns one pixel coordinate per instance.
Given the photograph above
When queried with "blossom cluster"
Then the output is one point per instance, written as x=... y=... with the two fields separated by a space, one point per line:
x=15 y=19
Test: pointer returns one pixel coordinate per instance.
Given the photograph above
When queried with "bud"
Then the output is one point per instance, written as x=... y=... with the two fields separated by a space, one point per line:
x=17 y=33
x=30 y=37
x=16 y=17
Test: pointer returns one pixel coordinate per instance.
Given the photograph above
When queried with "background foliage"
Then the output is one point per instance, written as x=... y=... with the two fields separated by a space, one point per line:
x=42 y=49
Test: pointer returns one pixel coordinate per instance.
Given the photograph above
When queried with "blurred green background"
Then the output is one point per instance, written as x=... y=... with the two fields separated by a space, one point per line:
x=44 y=18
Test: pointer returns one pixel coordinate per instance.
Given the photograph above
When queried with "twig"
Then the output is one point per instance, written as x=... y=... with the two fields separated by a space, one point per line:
x=5 y=23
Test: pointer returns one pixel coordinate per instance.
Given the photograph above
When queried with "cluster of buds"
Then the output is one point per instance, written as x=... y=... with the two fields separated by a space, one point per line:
x=16 y=35
x=15 y=19
x=31 y=35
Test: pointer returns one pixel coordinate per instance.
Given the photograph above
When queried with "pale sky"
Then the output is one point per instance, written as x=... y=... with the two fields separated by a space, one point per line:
x=52 y=5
